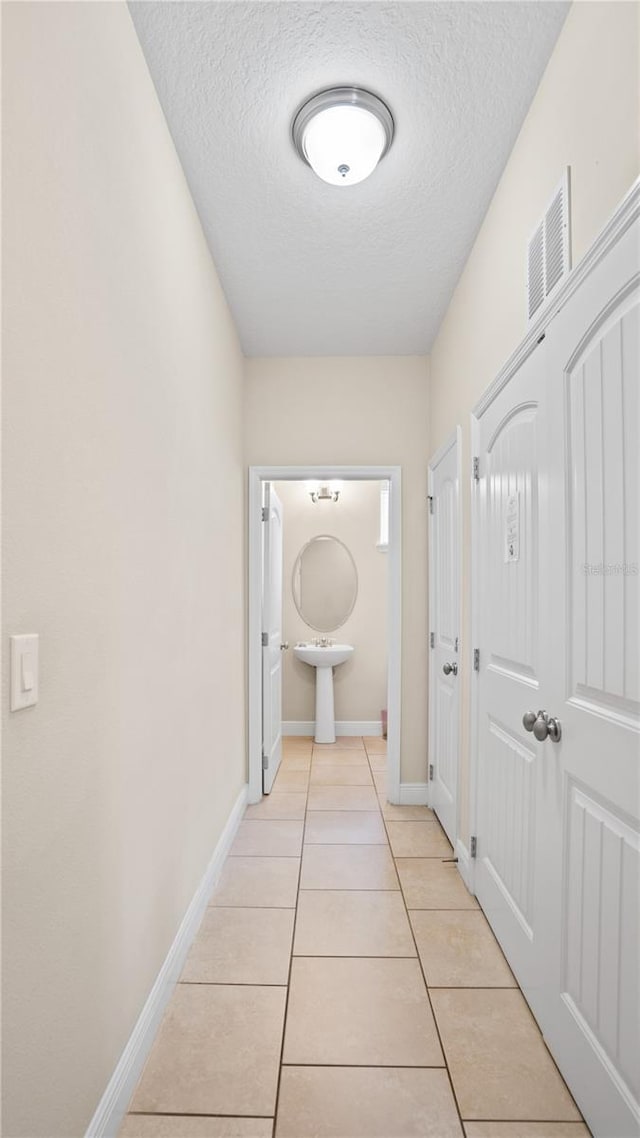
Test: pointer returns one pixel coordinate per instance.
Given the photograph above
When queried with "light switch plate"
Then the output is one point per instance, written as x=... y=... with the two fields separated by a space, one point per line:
x=24 y=671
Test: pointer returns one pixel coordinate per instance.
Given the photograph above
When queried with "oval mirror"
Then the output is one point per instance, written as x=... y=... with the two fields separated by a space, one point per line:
x=325 y=583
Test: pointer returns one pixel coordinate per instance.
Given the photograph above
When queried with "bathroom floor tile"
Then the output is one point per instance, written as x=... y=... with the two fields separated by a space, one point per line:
x=291 y=780
x=193 y=1126
x=352 y=923
x=458 y=949
x=254 y=882
x=375 y=744
x=297 y=744
x=418 y=839
x=342 y=743
x=241 y=946
x=428 y=883
x=348 y=867
x=268 y=839
x=344 y=827
x=280 y=805
x=211 y=1036
x=405 y=813
x=342 y=798
x=365 y=1102
x=526 y=1130
x=499 y=1064
x=331 y=758
x=332 y=775
x=360 y=1013
x=294 y=762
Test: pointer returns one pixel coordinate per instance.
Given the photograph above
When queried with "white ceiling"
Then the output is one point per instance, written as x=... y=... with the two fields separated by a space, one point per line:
x=311 y=269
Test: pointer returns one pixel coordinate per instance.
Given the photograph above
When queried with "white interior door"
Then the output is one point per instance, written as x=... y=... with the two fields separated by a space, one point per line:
x=590 y=859
x=444 y=607
x=513 y=555
x=272 y=638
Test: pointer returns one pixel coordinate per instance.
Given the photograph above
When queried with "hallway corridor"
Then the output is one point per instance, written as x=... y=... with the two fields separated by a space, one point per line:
x=401 y=1016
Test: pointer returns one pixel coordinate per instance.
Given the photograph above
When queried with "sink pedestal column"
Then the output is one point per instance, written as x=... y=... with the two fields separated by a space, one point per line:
x=325 y=715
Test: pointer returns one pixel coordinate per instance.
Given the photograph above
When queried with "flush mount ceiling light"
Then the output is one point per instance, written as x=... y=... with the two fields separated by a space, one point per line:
x=342 y=133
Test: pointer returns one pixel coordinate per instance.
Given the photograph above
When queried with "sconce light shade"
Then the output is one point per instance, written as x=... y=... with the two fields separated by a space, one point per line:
x=342 y=133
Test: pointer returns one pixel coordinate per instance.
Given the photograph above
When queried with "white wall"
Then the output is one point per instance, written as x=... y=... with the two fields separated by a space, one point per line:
x=585 y=114
x=359 y=411
x=123 y=549
x=360 y=684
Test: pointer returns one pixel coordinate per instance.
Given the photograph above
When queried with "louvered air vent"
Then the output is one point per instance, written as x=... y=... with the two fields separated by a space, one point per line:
x=548 y=250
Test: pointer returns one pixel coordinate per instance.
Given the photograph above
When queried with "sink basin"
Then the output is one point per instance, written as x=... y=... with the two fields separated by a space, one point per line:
x=324 y=660
x=320 y=657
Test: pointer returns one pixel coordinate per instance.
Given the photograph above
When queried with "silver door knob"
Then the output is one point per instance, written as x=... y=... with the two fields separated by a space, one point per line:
x=448 y=668
x=543 y=726
x=283 y=647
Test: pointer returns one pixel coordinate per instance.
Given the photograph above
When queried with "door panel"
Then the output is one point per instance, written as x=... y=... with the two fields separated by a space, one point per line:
x=271 y=651
x=508 y=836
x=513 y=549
x=602 y=395
x=591 y=906
x=445 y=624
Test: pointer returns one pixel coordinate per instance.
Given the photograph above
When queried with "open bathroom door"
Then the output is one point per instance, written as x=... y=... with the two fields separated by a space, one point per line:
x=444 y=620
x=271 y=638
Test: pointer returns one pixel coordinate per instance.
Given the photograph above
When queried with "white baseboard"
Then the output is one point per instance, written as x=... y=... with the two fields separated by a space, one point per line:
x=369 y=727
x=414 y=793
x=112 y=1107
x=465 y=865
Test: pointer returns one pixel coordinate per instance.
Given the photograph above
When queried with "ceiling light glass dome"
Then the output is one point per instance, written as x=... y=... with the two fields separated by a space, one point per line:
x=342 y=134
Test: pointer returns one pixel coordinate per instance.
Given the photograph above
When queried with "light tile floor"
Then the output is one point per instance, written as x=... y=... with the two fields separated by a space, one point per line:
x=344 y=983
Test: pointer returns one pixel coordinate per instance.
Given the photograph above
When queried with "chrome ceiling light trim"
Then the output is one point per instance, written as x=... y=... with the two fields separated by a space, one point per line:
x=342 y=97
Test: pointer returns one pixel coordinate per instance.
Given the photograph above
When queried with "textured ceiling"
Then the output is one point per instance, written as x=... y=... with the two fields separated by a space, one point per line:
x=311 y=269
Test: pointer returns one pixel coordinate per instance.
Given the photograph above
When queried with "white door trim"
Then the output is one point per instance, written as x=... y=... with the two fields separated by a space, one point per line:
x=622 y=217
x=454 y=440
x=474 y=712
x=260 y=474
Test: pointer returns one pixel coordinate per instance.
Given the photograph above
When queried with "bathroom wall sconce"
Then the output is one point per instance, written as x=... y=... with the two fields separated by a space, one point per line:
x=324 y=492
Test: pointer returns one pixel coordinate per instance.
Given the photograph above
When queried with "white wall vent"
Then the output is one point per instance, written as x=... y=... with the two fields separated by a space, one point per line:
x=548 y=251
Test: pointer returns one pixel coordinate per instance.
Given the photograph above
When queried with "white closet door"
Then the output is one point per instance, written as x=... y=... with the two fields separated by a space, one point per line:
x=590 y=857
x=514 y=555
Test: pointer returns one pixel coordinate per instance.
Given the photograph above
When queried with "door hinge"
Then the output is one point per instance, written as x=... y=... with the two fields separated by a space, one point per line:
x=430 y=772
x=432 y=639
x=430 y=500
x=265 y=639
x=476 y=659
x=476 y=469
x=265 y=513
x=473 y=846
x=265 y=762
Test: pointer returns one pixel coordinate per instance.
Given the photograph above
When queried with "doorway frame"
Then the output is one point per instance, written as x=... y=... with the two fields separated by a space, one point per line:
x=260 y=474
x=453 y=440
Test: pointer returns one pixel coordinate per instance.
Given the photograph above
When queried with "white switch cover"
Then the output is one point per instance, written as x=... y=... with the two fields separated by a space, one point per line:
x=24 y=671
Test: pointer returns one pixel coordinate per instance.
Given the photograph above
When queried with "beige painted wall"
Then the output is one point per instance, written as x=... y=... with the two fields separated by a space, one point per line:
x=360 y=684
x=123 y=549
x=359 y=411
x=585 y=114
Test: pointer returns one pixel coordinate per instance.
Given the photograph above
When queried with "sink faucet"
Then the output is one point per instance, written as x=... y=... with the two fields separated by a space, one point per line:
x=323 y=642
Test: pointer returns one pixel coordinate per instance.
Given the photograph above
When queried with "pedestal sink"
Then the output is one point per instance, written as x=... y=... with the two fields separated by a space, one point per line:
x=324 y=659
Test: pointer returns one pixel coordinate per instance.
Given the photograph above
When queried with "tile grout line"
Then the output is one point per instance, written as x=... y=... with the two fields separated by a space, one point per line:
x=424 y=978
x=293 y=940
